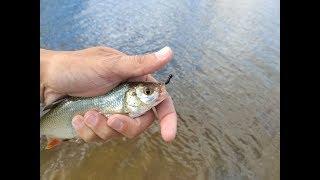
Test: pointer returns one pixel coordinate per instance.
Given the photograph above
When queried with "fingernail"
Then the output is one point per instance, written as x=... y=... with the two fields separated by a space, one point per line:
x=163 y=53
x=77 y=123
x=115 y=123
x=91 y=119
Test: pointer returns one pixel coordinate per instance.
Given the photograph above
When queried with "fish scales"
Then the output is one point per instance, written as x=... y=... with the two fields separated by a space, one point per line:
x=133 y=99
x=112 y=102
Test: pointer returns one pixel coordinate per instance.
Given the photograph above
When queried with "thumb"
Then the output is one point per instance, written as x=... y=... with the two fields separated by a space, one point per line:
x=139 y=65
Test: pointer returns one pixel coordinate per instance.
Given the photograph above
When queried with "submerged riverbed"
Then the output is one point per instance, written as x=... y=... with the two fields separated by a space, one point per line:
x=226 y=87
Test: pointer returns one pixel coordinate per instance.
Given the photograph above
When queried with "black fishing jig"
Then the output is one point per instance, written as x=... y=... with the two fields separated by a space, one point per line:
x=169 y=78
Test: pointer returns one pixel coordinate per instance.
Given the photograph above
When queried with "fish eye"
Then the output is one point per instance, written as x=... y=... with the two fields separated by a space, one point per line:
x=148 y=91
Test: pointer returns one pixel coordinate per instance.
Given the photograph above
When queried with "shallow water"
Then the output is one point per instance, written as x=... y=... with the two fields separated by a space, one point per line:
x=226 y=87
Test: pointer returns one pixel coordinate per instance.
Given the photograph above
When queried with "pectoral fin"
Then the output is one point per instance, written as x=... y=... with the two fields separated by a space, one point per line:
x=53 y=142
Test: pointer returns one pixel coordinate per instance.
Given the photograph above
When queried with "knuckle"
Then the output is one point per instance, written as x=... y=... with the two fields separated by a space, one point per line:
x=101 y=51
x=139 y=64
x=105 y=135
x=127 y=131
x=139 y=59
x=130 y=136
x=83 y=136
x=86 y=139
x=86 y=134
x=89 y=137
x=133 y=134
x=100 y=48
x=115 y=134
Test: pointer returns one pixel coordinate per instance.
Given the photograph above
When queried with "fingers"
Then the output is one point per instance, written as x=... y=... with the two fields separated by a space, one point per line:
x=139 y=65
x=93 y=126
x=82 y=130
x=168 y=119
x=130 y=127
x=98 y=124
x=105 y=129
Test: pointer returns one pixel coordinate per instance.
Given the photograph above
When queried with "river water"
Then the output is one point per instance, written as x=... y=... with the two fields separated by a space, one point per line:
x=226 y=87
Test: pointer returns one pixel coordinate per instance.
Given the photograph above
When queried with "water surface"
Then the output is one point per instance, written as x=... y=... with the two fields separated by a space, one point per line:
x=226 y=87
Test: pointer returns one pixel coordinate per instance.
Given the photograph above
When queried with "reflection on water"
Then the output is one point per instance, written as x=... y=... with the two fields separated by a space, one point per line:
x=226 y=87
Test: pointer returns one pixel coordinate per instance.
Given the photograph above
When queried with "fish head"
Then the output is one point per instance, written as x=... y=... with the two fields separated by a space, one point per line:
x=142 y=96
x=151 y=93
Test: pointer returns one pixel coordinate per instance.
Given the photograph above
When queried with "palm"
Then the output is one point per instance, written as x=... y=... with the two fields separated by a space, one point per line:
x=85 y=73
x=94 y=71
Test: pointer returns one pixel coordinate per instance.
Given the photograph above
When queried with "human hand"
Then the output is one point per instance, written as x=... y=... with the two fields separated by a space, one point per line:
x=93 y=72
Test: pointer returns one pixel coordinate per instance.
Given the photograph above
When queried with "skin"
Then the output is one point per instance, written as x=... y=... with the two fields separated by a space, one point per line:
x=94 y=71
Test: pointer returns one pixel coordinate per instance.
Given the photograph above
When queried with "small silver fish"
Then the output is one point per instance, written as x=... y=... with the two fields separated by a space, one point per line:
x=131 y=98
